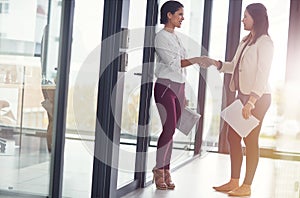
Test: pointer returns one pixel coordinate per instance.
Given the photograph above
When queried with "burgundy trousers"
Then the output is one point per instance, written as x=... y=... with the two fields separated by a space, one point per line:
x=170 y=98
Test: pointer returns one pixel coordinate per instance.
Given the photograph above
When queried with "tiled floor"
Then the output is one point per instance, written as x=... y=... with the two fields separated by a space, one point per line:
x=274 y=179
x=30 y=171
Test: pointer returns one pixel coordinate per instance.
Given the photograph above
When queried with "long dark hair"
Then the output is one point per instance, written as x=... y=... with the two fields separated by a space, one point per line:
x=169 y=6
x=258 y=12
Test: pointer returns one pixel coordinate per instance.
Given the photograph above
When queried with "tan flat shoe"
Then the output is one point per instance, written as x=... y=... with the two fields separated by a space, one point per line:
x=243 y=190
x=231 y=185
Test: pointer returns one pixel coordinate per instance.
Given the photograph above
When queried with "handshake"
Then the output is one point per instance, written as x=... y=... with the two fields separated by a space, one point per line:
x=204 y=61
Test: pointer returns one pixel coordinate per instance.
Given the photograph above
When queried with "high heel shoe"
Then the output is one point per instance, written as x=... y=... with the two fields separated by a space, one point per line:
x=231 y=185
x=168 y=180
x=159 y=179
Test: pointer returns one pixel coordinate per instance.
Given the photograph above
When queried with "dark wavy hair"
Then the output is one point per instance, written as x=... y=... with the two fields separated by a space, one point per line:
x=169 y=6
x=258 y=12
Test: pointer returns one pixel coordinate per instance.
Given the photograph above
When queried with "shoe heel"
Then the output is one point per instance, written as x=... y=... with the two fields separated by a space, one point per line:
x=158 y=179
x=168 y=180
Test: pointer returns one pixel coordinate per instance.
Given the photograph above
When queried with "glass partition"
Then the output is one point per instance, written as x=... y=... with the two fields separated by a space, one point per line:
x=24 y=139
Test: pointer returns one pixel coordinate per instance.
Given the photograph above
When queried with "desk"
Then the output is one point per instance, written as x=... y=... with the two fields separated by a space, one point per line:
x=48 y=104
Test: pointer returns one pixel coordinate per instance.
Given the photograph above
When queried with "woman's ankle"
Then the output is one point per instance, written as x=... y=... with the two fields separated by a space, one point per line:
x=246 y=185
x=235 y=181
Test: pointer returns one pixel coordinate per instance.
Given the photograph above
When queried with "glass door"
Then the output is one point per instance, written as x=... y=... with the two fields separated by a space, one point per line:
x=120 y=81
x=130 y=79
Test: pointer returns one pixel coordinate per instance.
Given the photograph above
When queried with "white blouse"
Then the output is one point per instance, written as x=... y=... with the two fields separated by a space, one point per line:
x=170 y=51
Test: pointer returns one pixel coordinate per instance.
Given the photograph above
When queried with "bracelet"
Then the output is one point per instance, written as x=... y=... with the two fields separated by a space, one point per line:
x=251 y=103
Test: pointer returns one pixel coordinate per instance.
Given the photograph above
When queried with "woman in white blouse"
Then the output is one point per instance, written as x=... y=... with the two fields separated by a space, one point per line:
x=169 y=88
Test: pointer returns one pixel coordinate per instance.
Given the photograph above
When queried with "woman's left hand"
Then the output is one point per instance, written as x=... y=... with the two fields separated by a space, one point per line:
x=246 y=111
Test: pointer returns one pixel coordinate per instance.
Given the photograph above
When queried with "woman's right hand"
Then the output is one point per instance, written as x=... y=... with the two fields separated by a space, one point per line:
x=202 y=61
x=205 y=61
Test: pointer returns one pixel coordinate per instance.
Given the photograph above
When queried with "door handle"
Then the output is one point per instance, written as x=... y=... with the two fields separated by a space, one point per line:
x=138 y=74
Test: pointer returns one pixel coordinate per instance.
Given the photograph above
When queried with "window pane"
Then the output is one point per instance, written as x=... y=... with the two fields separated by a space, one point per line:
x=82 y=98
x=213 y=100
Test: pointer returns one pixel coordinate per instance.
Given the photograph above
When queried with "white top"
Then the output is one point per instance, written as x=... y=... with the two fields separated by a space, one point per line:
x=170 y=52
